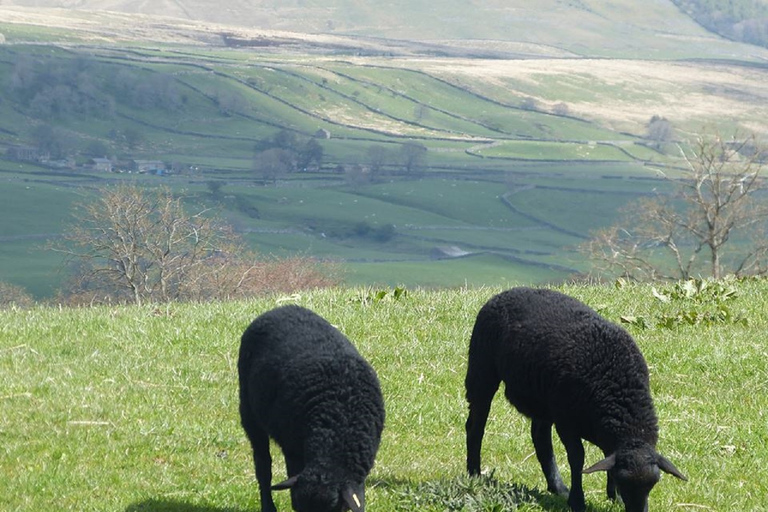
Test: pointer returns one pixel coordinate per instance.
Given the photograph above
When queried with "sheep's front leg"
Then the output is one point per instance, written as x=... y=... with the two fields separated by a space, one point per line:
x=610 y=486
x=541 y=433
x=575 y=451
x=294 y=463
x=262 y=462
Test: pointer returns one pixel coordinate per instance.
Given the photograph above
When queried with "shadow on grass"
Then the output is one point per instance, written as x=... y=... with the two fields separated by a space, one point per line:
x=162 y=505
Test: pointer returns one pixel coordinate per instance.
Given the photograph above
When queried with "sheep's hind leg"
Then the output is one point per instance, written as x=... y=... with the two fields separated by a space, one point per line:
x=482 y=383
x=478 y=416
x=610 y=486
x=541 y=433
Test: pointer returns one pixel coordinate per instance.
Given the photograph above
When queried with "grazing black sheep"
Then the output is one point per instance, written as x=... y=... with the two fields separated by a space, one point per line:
x=564 y=365
x=304 y=384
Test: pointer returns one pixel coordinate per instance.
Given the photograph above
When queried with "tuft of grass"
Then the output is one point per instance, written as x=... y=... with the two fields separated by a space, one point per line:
x=466 y=494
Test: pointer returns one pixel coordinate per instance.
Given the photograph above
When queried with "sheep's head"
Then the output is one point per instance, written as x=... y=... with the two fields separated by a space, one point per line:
x=310 y=493
x=635 y=471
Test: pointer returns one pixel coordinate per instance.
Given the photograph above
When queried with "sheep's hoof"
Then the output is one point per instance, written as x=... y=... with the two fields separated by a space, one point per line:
x=577 y=505
x=559 y=489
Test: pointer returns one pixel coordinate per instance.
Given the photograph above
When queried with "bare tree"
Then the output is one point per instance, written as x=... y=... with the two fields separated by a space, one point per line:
x=529 y=103
x=715 y=222
x=141 y=246
x=561 y=109
x=138 y=243
x=230 y=102
x=355 y=175
x=309 y=153
x=377 y=157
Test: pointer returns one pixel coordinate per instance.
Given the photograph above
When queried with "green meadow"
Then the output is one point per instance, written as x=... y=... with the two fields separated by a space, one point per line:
x=135 y=409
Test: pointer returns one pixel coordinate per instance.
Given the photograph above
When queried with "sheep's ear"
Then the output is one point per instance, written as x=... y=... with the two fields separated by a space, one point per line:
x=354 y=500
x=666 y=466
x=604 y=465
x=285 y=484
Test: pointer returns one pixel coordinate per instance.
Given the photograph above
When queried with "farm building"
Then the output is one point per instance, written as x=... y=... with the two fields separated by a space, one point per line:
x=101 y=164
x=149 y=166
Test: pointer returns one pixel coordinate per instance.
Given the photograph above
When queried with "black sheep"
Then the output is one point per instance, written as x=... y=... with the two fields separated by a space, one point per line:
x=564 y=365
x=304 y=384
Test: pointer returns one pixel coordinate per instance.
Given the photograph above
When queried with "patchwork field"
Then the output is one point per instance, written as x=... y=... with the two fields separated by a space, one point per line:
x=520 y=157
x=397 y=233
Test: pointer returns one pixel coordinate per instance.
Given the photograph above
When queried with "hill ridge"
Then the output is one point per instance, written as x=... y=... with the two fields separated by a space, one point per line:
x=551 y=27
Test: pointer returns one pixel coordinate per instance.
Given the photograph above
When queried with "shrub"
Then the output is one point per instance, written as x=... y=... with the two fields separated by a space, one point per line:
x=12 y=295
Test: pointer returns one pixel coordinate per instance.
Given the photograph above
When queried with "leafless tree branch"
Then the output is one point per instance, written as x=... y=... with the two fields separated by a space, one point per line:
x=712 y=223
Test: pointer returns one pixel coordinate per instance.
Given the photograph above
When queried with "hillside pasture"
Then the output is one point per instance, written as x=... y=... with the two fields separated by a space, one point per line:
x=27 y=262
x=557 y=206
x=536 y=241
x=502 y=113
x=512 y=29
x=622 y=95
x=425 y=214
x=491 y=161
x=474 y=202
x=482 y=269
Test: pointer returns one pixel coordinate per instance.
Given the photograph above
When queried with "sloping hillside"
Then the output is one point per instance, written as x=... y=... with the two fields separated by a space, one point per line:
x=523 y=152
x=549 y=27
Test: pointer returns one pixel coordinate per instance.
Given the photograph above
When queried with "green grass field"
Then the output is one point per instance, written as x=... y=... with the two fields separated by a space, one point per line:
x=135 y=409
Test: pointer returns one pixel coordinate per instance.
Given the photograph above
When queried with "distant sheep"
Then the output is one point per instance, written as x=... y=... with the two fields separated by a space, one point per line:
x=564 y=365
x=304 y=384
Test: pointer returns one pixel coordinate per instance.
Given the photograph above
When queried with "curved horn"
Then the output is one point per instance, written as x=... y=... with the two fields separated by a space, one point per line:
x=666 y=466
x=604 y=465
x=354 y=500
x=285 y=484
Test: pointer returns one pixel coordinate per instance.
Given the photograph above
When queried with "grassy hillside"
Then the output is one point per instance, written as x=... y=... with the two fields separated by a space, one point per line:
x=129 y=409
x=523 y=157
